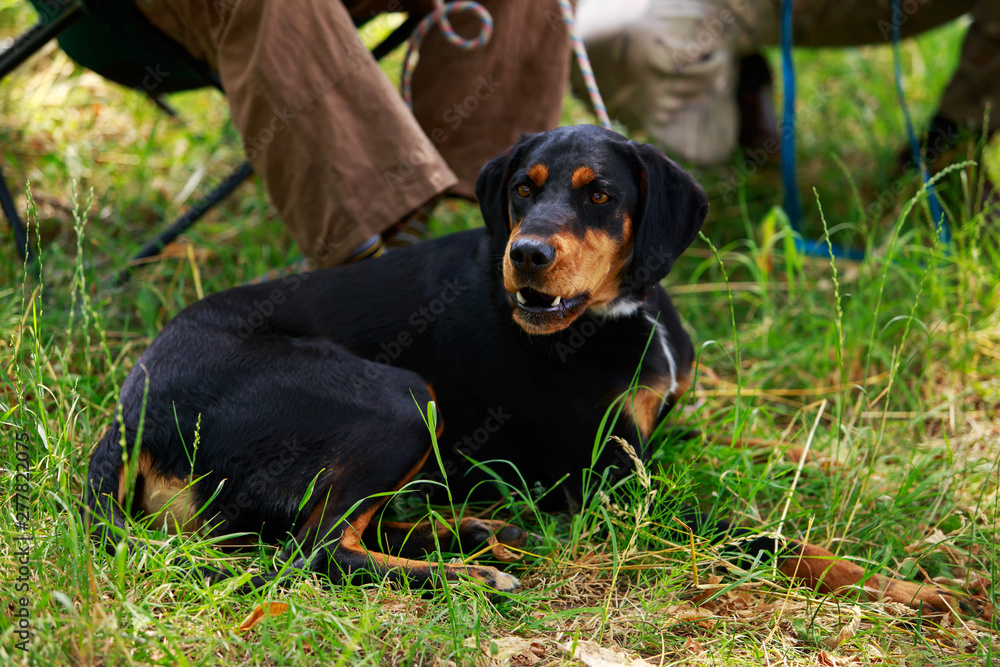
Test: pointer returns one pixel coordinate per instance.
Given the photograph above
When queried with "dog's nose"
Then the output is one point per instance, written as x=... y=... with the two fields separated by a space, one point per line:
x=530 y=255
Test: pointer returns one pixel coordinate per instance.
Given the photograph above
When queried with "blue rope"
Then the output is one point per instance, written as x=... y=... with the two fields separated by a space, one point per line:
x=792 y=206
x=937 y=214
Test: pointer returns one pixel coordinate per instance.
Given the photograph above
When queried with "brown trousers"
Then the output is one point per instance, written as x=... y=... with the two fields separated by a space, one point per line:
x=342 y=157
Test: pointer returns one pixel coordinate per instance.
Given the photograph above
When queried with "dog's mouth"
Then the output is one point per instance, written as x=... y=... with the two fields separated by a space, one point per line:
x=537 y=302
x=541 y=313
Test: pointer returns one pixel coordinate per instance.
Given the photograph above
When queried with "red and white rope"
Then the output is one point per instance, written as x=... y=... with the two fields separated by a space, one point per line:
x=439 y=17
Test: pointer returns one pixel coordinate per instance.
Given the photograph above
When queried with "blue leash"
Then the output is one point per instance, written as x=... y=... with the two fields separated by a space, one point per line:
x=937 y=214
x=793 y=207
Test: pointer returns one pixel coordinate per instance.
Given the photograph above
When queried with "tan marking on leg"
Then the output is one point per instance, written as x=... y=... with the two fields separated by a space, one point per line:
x=351 y=541
x=683 y=384
x=538 y=173
x=172 y=497
x=421 y=570
x=122 y=483
x=645 y=403
x=582 y=176
x=356 y=527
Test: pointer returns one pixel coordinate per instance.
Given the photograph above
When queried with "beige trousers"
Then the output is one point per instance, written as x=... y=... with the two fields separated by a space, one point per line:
x=341 y=155
x=976 y=82
x=670 y=67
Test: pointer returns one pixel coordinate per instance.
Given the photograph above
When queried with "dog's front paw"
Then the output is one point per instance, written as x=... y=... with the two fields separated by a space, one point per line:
x=512 y=536
x=500 y=536
x=494 y=578
x=933 y=599
x=938 y=600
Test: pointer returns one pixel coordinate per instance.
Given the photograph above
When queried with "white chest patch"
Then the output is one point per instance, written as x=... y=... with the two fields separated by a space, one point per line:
x=660 y=338
x=617 y=309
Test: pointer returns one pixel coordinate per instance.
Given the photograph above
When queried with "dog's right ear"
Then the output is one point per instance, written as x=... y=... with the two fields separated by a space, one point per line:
x=493 y=187
x=491 y=191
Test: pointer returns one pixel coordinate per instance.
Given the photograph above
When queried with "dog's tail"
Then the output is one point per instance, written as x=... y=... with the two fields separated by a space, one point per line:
x=105 y=491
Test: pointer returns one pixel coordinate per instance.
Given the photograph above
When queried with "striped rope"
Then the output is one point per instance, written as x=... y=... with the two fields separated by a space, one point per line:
x=439 y=17
x=584 y=62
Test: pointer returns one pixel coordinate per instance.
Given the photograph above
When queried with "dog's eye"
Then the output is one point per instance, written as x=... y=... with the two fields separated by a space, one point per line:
x=599 y=198
x=523 y=190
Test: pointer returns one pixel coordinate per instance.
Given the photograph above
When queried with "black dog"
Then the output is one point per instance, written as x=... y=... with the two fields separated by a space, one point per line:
x=525 y=333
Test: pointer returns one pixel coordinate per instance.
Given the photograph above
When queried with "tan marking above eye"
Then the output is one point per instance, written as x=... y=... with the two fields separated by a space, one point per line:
x=523 y=190
x=599 y=198
x=582 y=176
x=538 y=173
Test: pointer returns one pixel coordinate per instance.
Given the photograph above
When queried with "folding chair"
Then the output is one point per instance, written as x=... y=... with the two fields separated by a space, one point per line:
x=115 y=40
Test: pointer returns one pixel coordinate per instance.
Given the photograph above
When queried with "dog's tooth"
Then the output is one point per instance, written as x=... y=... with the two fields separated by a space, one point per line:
x=556 y=301
x=520 y=299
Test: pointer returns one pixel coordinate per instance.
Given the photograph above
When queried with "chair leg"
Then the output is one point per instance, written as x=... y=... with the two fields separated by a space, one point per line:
x=39 y=35
x=16 y=225
x=47 y=29
x=25 y=46
x=181 y=224
x=397 y=37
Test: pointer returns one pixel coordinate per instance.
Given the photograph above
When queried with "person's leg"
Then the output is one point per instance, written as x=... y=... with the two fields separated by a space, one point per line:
x=836 y=23
x=341 y=156
x=670 y=68
x=474 y=104
x=976 y=83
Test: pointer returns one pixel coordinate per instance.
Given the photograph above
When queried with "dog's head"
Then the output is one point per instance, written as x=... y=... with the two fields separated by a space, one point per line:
x=584 y=219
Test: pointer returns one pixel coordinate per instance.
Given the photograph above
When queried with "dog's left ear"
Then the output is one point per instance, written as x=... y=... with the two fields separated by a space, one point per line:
x=672 y=207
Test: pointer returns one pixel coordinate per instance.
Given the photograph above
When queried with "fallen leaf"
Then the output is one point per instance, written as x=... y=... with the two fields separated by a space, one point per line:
x=829 y=660
x=502 y=553
x=258 y=614
x=175 y=250
x=849 y=630
x=509 y=651
x=594 y=655
x=693 y=646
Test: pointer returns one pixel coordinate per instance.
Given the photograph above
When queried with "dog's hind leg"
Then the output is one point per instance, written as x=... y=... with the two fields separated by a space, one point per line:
x=329 y=541
x=414 y=540
x=340 y=543
x=349 y=556
x=105 y=492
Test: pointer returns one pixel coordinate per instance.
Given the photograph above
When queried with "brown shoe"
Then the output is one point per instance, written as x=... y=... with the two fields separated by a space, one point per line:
x=758 y=122
x=412 y=229
x=942 y=145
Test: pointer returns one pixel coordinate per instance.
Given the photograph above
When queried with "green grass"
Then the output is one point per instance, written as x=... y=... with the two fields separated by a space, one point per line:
x=894 y=360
